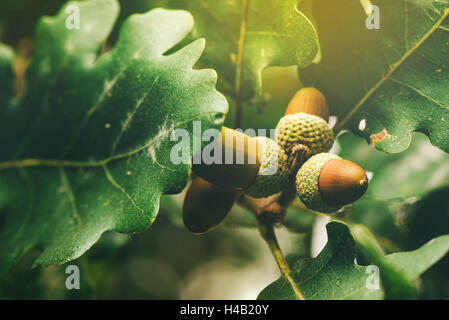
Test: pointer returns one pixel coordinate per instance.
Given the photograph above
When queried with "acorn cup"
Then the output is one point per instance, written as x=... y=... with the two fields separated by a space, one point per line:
x=241 y=157
x=206 y=205
x=310 y=101
x=304 y=127
x=325 y=183
x=274 y=172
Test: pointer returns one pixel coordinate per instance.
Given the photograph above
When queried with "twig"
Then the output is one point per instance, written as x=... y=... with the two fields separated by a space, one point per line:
x=270 y=211
x=239 y=62
x=267 y=232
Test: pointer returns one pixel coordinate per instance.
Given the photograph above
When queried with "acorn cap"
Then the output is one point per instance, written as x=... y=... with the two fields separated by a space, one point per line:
x=306 y=129
x=274 y=171
x=206 y=205
x=342 y=182
x=311 y=101
x=241 y=157
x=307 y=187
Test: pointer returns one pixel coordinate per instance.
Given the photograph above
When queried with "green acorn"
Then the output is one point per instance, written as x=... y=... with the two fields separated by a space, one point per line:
x=274 y=170
x=325 y=182
x=304 y=129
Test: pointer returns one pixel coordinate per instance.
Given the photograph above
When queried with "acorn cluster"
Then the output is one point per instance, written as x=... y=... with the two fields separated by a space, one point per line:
x=298 y=159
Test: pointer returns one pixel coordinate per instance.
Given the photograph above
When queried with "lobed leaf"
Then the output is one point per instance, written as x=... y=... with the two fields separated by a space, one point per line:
x=415 y=263
x=395 y=77
x=331 y=275
x=87 y=148
x=276 y=34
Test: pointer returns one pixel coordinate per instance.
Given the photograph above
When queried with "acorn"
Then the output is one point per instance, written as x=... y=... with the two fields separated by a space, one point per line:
x=274 y=171
x=325 y=182
x=239 y=164
x=304 y=129
x=310 y=101
x=206 y=205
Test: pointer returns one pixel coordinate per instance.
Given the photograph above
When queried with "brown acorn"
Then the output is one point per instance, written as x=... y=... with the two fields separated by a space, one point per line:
x=342 y=182
x=326 y=182
x=231 y=172
x=311 y=101
x=206 y=205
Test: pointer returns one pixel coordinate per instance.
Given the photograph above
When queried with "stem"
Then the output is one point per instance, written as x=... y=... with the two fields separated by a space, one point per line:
x=267 y=232
x=238 y=74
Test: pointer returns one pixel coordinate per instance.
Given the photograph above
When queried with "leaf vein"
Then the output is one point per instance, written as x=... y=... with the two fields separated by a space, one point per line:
x=433 y=62
x=111 y=179
x=393 y=68
x=407 y=85
x=22 y=163
x=131 y=116
x=70 y=196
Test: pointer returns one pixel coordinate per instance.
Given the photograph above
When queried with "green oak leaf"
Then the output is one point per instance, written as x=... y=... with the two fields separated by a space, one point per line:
x=399 y=270
x=276 y=34
x=395 y=77
x=87 y=147
x=415 y=263
x=331 y=275
x=394 y=282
